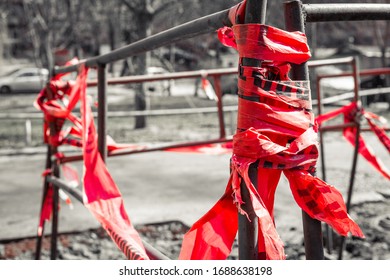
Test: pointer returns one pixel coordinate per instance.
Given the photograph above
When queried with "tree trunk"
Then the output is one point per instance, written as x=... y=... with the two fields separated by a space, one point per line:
x=140 y=105
x=140 y=96
x=141 y=64
x=387 y=78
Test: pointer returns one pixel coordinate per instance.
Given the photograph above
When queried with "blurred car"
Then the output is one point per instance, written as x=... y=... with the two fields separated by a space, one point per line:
x=30 y=80
x=158 y=87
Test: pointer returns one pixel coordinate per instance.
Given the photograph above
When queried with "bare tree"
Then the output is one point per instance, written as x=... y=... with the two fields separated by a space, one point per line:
x=142 y=13
x=68 y=24
x=3 y=32
x=40 y=18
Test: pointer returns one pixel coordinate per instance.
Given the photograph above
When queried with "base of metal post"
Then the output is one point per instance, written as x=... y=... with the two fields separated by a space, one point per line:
x=313 y=238
x=351 y=184
x=54 y=228
x=248 y=229
x=38 y=247
x=55 y=209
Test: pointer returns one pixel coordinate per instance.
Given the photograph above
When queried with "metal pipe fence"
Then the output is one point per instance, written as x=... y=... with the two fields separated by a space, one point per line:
x=296 y=16
x=188 y=30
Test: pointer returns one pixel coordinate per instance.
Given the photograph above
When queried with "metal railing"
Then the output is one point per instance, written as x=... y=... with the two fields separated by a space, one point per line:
x=296 y=16
x=191 y=29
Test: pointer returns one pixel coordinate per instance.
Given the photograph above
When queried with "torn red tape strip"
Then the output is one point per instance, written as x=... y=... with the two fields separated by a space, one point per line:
x=101 y=195
x=350 y=113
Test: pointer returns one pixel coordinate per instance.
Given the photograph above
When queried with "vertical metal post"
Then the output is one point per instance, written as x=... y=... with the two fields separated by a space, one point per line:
x=356 y=78
x=329 y=231
x=218 y=92
x=52 y=150
x=312 y=231
x=248 y=230
x=56 y=172
x=56 y=200
x=322 y=150
x=102 y=110
x=38 y=247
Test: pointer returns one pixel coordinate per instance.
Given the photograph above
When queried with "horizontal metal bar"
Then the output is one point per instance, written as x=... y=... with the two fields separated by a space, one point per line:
x=120 y=114
x=336 y=127
x=66 y=187
x=366 y=72
x=187 y=30
x=330 y=61
x=21 y=116
x=121 y=152
x=346 y=12
x=350 y=95
x=340 y=127
x=153 y=253
x=171 y=112
x=167 y=76
x=374 y=71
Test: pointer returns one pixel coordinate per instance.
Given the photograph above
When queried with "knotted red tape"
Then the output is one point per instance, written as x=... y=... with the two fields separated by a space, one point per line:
x=101 y=195
x=276 y=131
x=351 y=112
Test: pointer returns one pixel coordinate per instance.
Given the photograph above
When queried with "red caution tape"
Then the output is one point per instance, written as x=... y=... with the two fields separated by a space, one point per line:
x=276 y=130
x=70 y=176
x=101 y=195
x=351 y=113
x=208 y=88
x=46 y=209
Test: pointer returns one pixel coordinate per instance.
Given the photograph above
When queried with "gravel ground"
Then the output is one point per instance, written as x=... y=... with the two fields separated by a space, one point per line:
x=94 y=244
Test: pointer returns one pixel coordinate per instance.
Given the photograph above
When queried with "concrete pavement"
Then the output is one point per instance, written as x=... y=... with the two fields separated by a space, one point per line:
x=162 y=186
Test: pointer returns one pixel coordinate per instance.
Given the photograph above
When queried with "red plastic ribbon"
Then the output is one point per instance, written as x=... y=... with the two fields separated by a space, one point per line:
x=71 y=176
x=101 y=195
x=276 y=131
x=350 y=113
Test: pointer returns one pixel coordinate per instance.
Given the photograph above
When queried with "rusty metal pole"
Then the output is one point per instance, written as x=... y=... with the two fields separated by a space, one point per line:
x=328 y=229
x=38 y=247
x=56 y=201
x=312 y=231
x=221 y=120
x=248 y=230
x=356 y=79
x=102 y=110
x=54 y=166
x=319 y=112
x=55 y=172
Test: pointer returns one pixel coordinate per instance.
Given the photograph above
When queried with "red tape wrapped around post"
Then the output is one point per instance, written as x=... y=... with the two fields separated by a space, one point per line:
x=275 y=130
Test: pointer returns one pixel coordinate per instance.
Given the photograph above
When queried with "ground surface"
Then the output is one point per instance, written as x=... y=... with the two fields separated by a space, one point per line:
x=372 y=215
x=94 y=244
